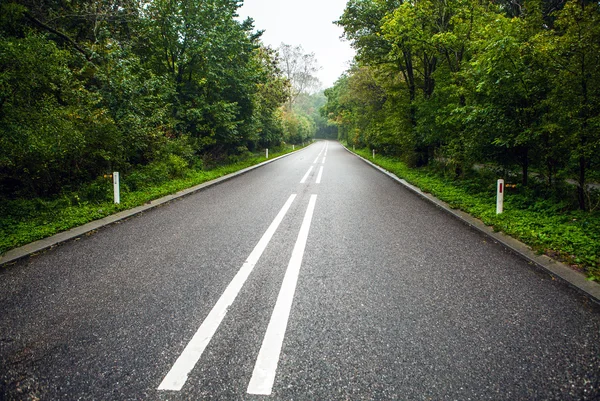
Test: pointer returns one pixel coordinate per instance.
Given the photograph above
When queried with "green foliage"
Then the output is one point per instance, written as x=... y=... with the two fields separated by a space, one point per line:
x=87 y=88
x=452 y=84
x=156 y=173
x=574 y=53
x=161 y=91
x=298 y=128
x=26 y=220
x=52 y=129
x=311 y=105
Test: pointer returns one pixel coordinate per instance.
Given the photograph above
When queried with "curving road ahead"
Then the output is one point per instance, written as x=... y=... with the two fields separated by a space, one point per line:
x=312 y=278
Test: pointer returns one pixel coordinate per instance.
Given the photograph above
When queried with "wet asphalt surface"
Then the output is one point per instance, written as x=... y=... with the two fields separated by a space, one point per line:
x=395 y=300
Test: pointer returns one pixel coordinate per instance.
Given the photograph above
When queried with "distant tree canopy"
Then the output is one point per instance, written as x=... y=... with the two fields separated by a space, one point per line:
x=88 y=87
x=301 y=120
x=459 y=82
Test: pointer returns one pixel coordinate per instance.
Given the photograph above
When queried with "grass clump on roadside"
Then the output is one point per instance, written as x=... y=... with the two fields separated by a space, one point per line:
x=26 y=220
x=546 y=223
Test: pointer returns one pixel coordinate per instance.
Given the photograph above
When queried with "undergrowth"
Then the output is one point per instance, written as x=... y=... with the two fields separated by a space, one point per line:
x=26 y=220
x=546 y=222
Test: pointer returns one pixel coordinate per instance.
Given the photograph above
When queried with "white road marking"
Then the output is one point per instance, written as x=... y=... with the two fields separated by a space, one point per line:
x=323 y=162
x=320 y=175
x=318 y=156
x=303 y=180
x=177 y=376
x=324 y=148
x=265 y=369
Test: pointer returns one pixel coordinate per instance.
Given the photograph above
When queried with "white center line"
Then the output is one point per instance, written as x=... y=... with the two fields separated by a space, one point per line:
x=320 y=175
x=265 y=369
x=323 y=162
x=324 y=148
x=303 y=180
x=177 y=376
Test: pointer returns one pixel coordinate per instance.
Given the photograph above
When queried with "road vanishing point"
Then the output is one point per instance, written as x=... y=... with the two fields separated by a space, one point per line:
x=315 y=277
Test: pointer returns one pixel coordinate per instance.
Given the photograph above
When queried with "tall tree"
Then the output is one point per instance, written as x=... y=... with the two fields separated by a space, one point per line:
x=300 y=69
x=512 y=84
x=90 y=86
x=575 y=55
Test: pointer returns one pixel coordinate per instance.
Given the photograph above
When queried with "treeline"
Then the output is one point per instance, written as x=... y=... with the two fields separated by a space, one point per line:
x=458 y=83
x=308 y=108
x=88 y=87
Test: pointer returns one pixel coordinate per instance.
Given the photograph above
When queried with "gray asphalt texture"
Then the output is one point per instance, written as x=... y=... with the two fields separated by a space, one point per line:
x=396 y=300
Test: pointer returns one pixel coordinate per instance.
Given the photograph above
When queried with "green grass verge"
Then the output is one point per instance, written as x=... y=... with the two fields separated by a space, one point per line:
x=548 y=226
x=26 y=220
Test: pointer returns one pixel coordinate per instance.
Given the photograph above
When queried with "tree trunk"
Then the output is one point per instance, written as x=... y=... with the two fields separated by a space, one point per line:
x=525 y=166
x=581 y=183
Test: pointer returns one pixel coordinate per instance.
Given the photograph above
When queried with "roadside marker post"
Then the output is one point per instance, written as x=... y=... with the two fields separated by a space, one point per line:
x=500 y=197
x=267 y=154
x=116 y=187
x=373 y=154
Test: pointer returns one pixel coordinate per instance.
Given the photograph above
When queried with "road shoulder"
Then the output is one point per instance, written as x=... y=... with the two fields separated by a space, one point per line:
x=553 y=267
x=50 y=242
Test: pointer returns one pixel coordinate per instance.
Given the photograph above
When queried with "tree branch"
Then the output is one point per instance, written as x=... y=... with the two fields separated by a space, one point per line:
x=60 y=34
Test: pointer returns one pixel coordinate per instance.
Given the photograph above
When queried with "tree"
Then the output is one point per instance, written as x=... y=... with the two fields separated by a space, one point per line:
x=362 y=21
x=52 y=129
x=87 y=87
x=574 y=53
x=271 y=94
x=513 y=83
x=310 y=105
x=511 y=87
x=300 y=69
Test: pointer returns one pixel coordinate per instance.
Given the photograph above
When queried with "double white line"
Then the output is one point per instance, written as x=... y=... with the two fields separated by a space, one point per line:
x=310 y=169
x=321 y=153
x=266 y=364
x=265 y=368
x=320 y=174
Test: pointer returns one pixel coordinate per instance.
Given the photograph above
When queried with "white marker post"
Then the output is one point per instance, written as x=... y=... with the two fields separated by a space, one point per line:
x=373 y=154
x=293 y=147
x=500 y=197
x=267 y=154
x=116 y=187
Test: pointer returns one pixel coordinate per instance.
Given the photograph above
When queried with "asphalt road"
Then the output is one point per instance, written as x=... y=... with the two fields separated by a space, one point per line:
x=353 y=289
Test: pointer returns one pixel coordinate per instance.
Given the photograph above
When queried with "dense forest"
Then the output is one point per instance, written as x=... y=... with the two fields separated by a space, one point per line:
x=452 y=84
x=148 y=88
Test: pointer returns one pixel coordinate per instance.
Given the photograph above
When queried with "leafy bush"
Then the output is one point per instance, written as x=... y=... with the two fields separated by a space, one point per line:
x=26 y=220
x=99 y=190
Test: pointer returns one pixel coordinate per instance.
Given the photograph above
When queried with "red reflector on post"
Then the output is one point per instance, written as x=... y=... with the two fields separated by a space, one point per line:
x=501 y=188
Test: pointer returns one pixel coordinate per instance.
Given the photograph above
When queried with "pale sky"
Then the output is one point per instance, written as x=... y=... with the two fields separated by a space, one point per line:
x=308 y=23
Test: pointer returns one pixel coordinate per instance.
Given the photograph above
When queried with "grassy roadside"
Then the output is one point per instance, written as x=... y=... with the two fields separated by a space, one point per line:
x=23 y=221
x=548 y=226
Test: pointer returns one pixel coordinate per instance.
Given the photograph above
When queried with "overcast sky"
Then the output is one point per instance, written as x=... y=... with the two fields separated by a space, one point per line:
x=304 y=22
